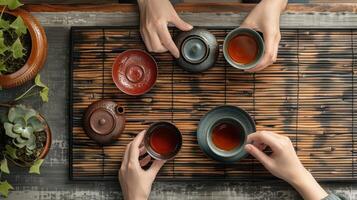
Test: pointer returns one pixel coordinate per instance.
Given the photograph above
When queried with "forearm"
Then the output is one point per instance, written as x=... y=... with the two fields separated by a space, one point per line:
x=279 y=3
x=308 y=187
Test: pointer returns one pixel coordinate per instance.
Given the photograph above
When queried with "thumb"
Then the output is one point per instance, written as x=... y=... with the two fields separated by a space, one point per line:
x=155 y=167
x=259 y=155
x=180 y=24
x=269 y=53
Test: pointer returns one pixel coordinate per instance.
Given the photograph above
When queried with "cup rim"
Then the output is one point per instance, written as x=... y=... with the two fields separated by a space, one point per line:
x=216 y=114
x=151 y=151
x=227 y=154
x=260 y=42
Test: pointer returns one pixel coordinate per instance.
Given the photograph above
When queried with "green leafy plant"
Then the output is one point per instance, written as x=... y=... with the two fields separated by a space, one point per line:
x=13 y=46
x=26 y=138
x=43 y=90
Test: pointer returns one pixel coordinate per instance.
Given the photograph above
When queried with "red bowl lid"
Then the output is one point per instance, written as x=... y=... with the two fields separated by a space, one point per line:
x=134 y=72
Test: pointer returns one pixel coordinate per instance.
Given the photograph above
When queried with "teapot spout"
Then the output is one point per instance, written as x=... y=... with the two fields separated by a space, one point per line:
x=120 y=110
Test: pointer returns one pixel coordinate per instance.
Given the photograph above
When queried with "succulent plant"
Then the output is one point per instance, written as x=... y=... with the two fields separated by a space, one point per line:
x=25 y=131
x=23 y=123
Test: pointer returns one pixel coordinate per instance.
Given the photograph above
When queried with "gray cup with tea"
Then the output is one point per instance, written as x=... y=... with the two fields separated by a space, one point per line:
x=243 y=48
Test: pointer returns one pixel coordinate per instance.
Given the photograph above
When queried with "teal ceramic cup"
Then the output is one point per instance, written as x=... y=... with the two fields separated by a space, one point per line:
x=232 y=115
x=243 y=31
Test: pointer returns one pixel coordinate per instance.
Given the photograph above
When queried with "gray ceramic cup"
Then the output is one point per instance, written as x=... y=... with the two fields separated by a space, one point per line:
x=224 y=114
x=246 y=31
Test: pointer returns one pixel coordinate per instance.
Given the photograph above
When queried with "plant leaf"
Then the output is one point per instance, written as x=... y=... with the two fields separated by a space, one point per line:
x=17 y=49
x=35 y=168
x=31 y=143
x=9 y=130
x=30 y=113
x=4 y=24
x=44 y=94
x=3 y=47
x=38 y=81
x=27 y=132
x=20 y=121
x=11 y=151
x=36 y=124
x=19 y=26
x=16 y=112
x=17 y=128
x=3 y=67
x=45 y=89
x=12 y=4
x=5 y=187
x=4 y=167
x=19 y=144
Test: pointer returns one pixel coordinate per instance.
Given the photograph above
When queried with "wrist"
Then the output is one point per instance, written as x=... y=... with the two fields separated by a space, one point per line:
x=136 y=197
x=307 y=186
x=301 y=178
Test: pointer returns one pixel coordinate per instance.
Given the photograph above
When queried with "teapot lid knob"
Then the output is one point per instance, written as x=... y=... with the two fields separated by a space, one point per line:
x=102 y=122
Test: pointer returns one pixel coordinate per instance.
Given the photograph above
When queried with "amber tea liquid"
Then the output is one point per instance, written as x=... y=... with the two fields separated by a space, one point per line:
x=164 y=140
x=227 y=136
x=243 y=49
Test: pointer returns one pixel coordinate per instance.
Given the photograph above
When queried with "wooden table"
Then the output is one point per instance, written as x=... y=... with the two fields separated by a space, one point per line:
x=54 y=183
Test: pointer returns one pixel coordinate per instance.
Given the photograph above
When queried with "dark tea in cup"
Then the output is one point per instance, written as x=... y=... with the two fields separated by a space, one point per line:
x=227 y=135
x=163 y=140
x=223 y=131
x=243 y=48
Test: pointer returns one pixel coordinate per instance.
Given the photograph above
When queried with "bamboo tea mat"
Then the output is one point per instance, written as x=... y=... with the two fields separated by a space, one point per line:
x=308 y=95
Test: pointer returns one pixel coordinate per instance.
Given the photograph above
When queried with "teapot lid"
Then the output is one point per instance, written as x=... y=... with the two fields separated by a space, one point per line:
x=104 y=121
x=101 y=121
x=198 y=50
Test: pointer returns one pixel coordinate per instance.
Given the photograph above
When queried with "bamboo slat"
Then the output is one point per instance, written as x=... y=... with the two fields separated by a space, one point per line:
x=307 y=95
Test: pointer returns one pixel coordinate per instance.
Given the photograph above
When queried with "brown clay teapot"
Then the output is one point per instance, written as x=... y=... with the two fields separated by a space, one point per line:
x=104 y=121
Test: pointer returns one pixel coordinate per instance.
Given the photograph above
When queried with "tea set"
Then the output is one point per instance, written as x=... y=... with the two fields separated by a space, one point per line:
x=134 y=72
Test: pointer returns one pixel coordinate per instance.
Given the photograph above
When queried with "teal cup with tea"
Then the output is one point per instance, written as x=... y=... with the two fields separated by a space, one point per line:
x=222 y=133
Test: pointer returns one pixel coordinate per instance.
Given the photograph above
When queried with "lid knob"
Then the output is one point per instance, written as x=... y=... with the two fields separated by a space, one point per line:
x=134 y=73
x=102 y=122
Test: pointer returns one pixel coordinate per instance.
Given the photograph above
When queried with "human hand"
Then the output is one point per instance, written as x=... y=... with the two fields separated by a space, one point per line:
x=265 y=17
x=154 y=18
x=136 y=182
x=283 y=162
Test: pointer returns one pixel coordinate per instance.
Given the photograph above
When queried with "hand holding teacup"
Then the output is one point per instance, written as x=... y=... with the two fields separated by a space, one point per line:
x=265 y=18
x=283 y=162
x=136 y=182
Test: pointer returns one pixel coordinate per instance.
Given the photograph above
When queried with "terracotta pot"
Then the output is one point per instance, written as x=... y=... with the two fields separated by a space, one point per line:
x=45 y=150
x=37 y=56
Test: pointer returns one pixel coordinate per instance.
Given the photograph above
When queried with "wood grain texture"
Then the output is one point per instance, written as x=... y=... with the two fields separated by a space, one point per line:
x=192 y=7
x=53 y=183
x=306 y=95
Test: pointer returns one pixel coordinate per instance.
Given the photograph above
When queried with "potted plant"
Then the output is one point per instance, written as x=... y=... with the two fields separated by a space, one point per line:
x=23 y=45
x=25 y=137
